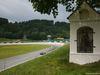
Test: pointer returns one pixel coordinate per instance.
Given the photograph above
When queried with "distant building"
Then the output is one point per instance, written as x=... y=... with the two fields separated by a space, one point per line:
x=60 y=38
x=84 y=35
x=49 y=37
x=24 y=37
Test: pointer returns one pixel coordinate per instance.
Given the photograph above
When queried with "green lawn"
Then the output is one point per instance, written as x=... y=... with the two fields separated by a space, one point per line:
x=5 y=40
x=13 y=50
x=55 y=63
x=13 y=40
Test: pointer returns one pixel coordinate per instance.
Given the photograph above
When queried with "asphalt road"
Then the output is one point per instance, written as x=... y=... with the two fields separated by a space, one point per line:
x=13 y=61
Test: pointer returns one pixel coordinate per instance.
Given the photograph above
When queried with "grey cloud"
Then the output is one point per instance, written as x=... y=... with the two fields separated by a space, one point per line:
x=21 y=10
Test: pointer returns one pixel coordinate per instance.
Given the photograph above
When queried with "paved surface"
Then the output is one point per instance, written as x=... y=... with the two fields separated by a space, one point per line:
x=13 y=61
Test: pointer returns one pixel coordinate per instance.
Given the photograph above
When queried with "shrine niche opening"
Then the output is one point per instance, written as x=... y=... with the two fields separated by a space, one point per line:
x=85 y=40
x=84 y=14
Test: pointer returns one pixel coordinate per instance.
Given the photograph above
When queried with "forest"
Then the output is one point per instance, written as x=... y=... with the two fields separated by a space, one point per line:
x=34 y=29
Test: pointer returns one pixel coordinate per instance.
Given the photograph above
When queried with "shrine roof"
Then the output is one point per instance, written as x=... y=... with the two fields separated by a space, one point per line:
x=95 y=9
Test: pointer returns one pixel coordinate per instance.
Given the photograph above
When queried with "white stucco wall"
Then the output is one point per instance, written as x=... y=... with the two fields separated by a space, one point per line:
x=75 y=23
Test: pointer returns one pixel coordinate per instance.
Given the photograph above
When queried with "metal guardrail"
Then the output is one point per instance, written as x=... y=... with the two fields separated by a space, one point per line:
x=50 y=41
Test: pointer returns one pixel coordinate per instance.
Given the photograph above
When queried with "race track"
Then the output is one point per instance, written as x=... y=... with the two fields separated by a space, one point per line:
x=13 y=61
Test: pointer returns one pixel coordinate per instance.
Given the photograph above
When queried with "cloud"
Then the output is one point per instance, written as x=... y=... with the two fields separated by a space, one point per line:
x=22 y=10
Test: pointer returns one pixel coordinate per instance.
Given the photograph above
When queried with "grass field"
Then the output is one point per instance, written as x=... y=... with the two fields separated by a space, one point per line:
x=55 y=63
x=13 y=50
x=5 y=40
x=13 y=40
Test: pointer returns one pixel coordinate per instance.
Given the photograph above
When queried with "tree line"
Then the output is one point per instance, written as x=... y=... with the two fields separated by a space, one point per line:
x=33 y=29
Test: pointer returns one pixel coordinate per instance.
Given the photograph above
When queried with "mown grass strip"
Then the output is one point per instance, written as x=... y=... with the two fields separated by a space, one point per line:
x=14 y=50
x=55 y=63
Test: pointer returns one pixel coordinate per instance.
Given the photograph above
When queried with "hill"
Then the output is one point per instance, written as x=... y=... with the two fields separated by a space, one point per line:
x=34 y=29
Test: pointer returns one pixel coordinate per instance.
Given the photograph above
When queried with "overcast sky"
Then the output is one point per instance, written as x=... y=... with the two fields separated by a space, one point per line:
x=21 y=10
